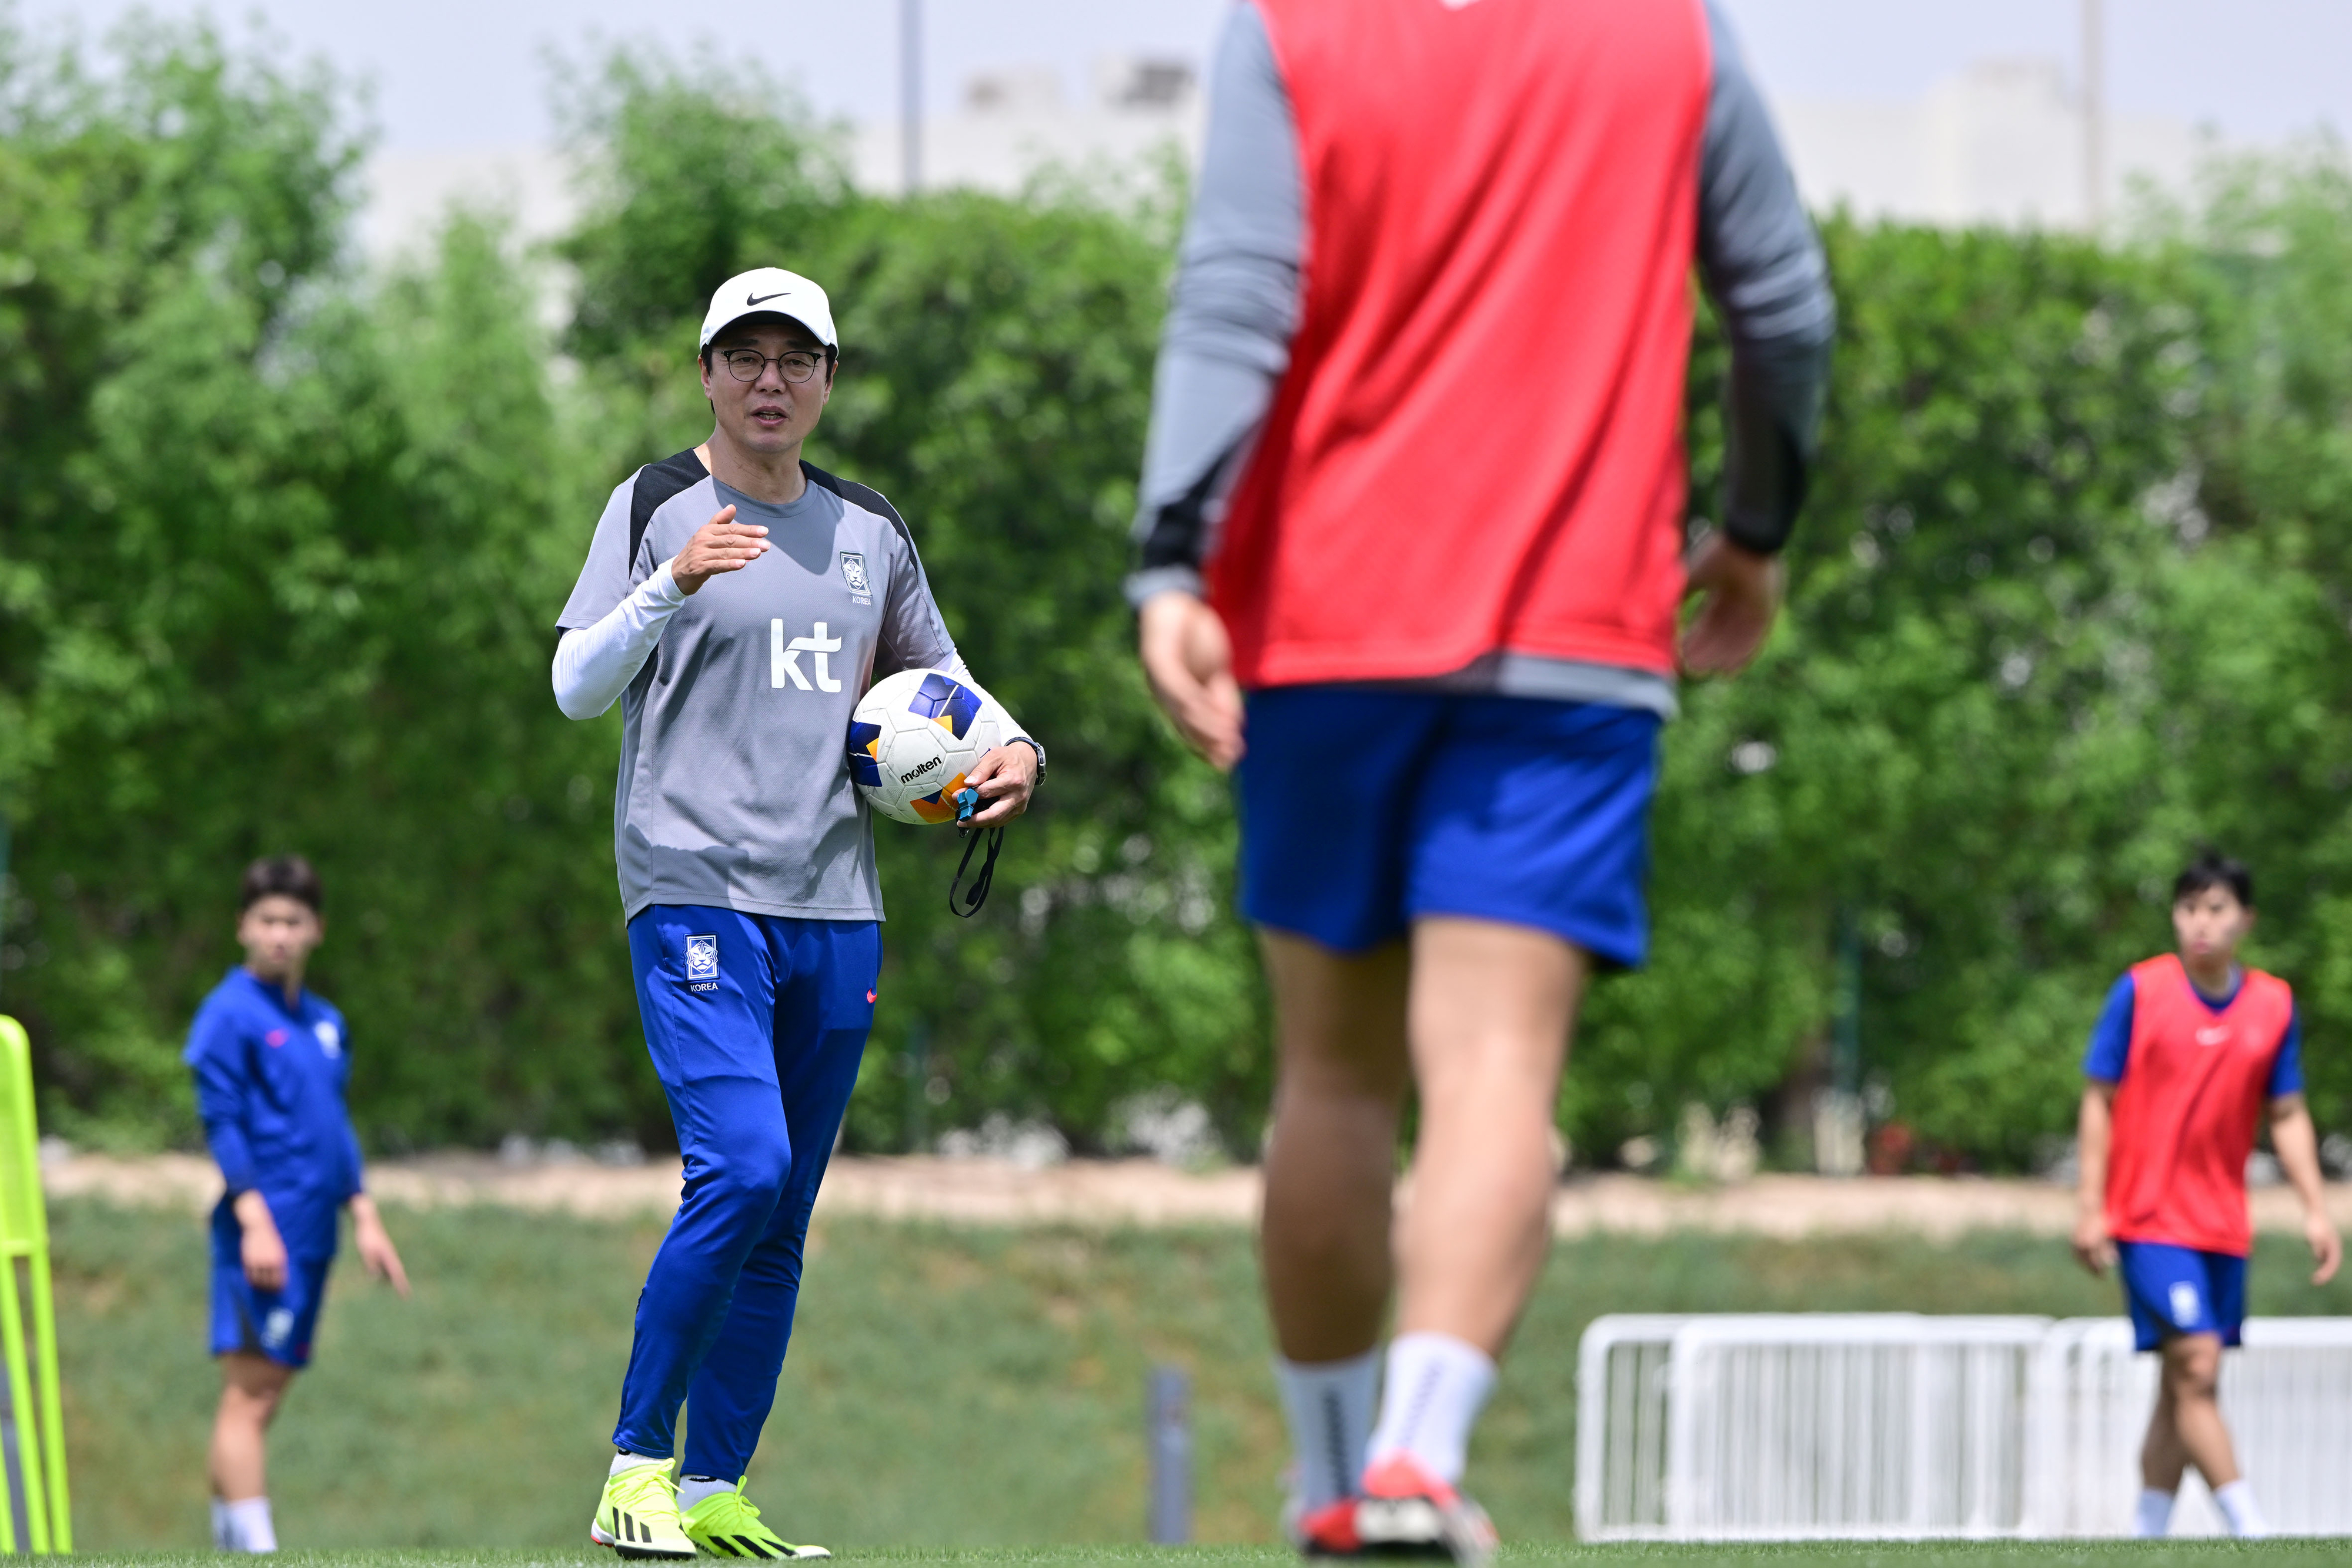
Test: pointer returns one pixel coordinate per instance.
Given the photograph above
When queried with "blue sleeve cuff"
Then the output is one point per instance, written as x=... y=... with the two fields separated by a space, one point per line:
x=2287 y=1068
x=2110 y=1048
x=235 y=1168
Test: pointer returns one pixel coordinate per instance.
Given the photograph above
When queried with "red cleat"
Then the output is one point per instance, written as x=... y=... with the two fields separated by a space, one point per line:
x=1329 y=1531
x=1406 y=1511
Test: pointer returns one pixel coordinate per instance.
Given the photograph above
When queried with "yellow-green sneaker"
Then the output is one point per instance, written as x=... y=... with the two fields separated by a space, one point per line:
x=638 y=1516
x=724 y=1525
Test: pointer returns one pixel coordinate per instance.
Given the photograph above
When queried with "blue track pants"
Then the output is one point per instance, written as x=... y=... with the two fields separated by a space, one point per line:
x=756 y=1024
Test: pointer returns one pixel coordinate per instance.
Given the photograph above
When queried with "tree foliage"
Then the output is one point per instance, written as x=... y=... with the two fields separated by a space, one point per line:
x=275 y=557
x=282 y=541
x=2064 y=608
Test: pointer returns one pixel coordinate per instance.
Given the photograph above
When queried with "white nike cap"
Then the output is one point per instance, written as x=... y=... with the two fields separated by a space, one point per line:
x=770 y=291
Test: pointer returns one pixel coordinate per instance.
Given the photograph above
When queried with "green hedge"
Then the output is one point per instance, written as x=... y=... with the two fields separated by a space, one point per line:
x=281 y=545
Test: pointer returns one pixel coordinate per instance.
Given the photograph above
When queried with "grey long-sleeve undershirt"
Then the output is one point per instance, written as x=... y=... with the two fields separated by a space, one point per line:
x=1235 y=308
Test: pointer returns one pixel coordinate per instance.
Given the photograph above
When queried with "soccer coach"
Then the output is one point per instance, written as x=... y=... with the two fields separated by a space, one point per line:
x=1412 y=556
x=739 y=600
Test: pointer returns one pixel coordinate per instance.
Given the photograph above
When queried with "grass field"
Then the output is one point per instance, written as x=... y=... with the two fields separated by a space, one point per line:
x=948 y=1388
x=1872 y=1554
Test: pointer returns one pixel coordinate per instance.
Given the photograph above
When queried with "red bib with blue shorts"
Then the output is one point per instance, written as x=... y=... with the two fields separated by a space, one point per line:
x=2187 y=1108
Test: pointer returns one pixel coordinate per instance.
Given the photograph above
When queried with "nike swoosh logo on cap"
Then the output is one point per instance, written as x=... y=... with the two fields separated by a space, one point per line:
x=764 y=299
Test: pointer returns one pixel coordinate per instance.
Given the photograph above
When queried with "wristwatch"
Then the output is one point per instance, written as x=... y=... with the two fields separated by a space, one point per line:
x=1036 y=747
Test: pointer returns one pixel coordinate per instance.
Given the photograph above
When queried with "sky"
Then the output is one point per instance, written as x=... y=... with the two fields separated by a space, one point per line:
x=452 y=74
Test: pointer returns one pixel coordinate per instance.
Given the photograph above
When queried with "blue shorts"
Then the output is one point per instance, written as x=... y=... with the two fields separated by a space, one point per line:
x=276 y=1323
x=1365 y=808
x=2171 y=1291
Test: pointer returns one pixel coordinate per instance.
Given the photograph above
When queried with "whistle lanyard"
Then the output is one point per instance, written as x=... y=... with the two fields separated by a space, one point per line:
x=965 y=800
x=980 y=883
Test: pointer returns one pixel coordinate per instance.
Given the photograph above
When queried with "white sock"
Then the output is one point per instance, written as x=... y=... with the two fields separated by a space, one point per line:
x=2153 y=1517
x=625 y=1460
x=221 y=1542
x=1436 y=1386
x=692 y=1489
x=249 y=1526
x=2237 y=1506
x=1329 y=1406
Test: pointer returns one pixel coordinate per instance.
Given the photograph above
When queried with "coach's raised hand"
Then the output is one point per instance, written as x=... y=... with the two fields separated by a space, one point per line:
x=722 y=544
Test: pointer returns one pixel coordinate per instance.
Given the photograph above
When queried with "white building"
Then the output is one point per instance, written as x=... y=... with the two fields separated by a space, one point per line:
x=409 y=194
x=1014 y=123
x=2000 y=142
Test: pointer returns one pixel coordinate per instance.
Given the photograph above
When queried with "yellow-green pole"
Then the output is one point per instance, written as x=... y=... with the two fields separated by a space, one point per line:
x=53 y=1413
x=33 y=1380
x=21 y=1400
x=45 y=1319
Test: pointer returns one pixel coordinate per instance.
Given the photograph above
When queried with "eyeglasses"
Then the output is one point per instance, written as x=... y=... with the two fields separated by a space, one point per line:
x=797 y=365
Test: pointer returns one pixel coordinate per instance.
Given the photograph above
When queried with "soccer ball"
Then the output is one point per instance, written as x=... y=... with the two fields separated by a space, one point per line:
x=914 y=736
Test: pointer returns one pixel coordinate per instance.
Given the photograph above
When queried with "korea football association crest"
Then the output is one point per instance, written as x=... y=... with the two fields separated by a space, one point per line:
x=703 y=963
x=853 y=572
x=330 y=1038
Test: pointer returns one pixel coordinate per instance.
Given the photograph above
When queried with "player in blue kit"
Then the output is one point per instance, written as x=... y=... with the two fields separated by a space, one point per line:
x=737 y=601
x=271 y=1061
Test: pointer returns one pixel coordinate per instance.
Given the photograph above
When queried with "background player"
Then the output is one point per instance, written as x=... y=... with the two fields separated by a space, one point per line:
x=1415 y=482
x=271 y=1061
x=739 y=602
x=2188 y=1052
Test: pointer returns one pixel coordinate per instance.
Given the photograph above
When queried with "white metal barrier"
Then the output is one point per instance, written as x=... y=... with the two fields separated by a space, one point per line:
x=2287 y=1396
x=1621 y=1426
x=1892 y=1424
x=1803 y=1426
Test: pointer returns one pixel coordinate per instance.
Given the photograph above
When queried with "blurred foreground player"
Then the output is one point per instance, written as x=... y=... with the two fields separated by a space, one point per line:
x=2190 y=1051
x=737 y=601
x=271 y=1061
x=1416 y=485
